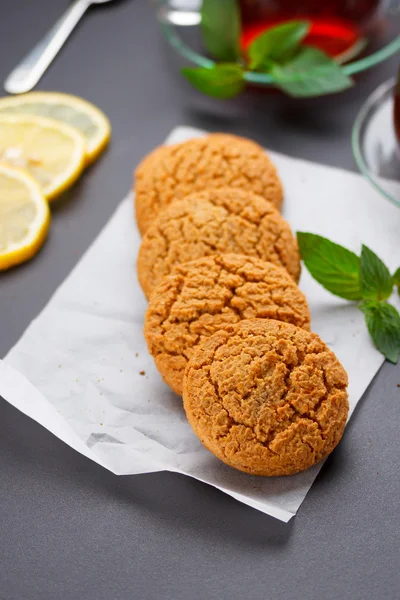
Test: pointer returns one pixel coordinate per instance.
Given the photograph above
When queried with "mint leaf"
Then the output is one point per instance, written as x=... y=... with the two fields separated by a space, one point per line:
x=396 y=279
x=221 y=81
x=383 y=322
x=332 y=265
x=310 y=73
x=375 y=279
x=220 y=26
x=277 y=43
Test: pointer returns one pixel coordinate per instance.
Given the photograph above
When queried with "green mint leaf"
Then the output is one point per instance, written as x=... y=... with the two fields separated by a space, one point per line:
x=310 y=73
x=396 y=279
x=220 y=26
x=332 y=265
x=383 y=322
x=221 y=81
x=375 y=279
x=277 y=43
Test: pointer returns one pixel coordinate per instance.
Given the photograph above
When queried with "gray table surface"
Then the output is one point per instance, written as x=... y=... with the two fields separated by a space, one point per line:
x=71 y=530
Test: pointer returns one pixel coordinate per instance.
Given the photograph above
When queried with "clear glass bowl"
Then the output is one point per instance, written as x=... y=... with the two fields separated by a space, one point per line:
x=177 y=22
x=375 y=145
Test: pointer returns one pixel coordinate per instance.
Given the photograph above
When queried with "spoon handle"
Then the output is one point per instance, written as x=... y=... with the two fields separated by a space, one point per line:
x=26 y=75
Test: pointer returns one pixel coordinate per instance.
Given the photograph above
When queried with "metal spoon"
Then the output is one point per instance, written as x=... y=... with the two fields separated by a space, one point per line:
x=26 y=75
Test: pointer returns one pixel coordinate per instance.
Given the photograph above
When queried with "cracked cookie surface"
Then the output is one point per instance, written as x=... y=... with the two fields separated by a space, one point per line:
x=266 y=397
x=208 y=294
x=171 y=173
x=226 y=220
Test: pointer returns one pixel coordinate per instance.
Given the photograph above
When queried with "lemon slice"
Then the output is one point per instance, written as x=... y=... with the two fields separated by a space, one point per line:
x=24 y=217
x=52 y=152
x=84 y=116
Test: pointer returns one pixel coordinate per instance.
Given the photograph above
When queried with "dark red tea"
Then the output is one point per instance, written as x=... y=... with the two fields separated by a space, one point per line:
x=337 y=26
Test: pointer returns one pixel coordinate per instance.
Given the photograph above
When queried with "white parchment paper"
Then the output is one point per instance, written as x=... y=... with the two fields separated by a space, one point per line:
x=76 y=370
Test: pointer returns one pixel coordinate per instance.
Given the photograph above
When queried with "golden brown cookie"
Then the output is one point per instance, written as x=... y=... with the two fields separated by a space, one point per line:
x=205 y=295
x=217 y=160
x=215 y=221
x=266 y=397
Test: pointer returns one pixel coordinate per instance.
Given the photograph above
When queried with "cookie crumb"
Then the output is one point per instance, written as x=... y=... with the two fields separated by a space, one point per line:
x=137 y=354
x=142 y=372
x=398 y=385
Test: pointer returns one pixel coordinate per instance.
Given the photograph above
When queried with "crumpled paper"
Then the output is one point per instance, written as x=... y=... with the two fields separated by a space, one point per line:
x=82 y=369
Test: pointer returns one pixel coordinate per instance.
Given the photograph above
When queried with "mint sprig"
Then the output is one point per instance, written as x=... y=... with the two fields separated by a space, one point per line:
x=375 y=277
x=310 y=72
x=222 y=81
x=332 y=265
x=277 y=44
x=365 y=278
x=383 y=322
x=220 y=27
x=396 y=279
x=297 y=69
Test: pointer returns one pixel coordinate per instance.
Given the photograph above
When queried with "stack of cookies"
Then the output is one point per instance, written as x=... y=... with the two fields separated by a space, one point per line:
x=227 y=326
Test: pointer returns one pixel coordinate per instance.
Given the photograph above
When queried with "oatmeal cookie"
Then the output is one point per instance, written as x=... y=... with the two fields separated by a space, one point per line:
x=225 y=220
x=217 y=160
x=265 y=397
x=208 y=294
